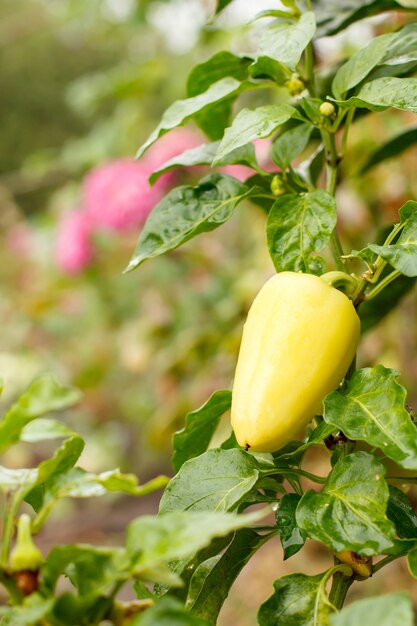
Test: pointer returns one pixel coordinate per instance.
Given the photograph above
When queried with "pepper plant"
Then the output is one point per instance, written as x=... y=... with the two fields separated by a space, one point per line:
x=182 y=563
x=360 y=511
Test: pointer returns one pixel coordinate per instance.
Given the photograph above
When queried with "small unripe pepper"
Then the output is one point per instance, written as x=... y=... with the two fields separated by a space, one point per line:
x=277 y=186
x=299 y=339
x=25 y=556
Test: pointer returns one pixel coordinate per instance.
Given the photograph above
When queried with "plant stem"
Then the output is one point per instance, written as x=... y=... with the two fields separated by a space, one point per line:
x=340 y=586
x=387 y=280
x=385 y=561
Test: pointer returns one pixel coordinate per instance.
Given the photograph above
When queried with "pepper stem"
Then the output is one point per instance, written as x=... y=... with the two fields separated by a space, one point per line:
x=341 y=281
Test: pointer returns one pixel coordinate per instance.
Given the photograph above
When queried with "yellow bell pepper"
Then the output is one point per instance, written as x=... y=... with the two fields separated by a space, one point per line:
x=299 y=339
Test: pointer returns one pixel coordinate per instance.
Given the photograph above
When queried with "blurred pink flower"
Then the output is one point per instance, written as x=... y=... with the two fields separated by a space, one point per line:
x=117 y=195
x=173 y=143
x=241 y=172
x=74 y=249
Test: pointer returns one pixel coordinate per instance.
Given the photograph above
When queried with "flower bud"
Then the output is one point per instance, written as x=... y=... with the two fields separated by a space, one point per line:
x=327 y=109
x=295 y=85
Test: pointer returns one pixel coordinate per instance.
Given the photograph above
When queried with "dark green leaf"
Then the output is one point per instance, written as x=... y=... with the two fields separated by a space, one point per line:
x=218 y=480
x=401 y=513
x=299 y=224
x=335 y=15
x=298 y=599
x=290 y=144
x=204 y=155
x=349 y=513
x=222 y=4
x=292 y=537
x=249 y=125
x=378 y=94
x=394 y=609
x=212 y=580
x=371 y=408
x=360 y=65
x=199 y=428
x=392 y=148
x=168 y=612
x=267 y=68
x=216 y=117
x=311 y=168
x=42 y=396
x=186 y=212
x=182 y=110
x=285 y=41
x=373 y=311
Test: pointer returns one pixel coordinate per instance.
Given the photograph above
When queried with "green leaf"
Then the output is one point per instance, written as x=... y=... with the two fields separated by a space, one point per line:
x=335 y=15
x=204 y=155
x=215 y=118
x=153 y=540
x=167 y=612
x=297 y=225
x=77 y=483
x=389 y=91
x=393 y=609
x=412 y=562
x=218 y=480
x=200 y=425
x=311 y=168
x=249 y=125
x=401 y=513
x=292 y=537
x=92 y=570
x=371 y=408
x=267 y=68
x=402 y=47
x=12 y=479
x=185 y=213
x=360 y=65
x=290 y=144
x=392 y=148
x=181 y=111
x=43 y=428
x=34 y=608
x=213 y=578
x=42 y=396
x=297 y=599
x=285 y=41
x=222 y=4
x=402 y=254
x=349 y=513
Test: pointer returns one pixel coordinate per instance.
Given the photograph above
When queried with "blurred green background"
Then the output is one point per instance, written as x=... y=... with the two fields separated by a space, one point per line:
x=82 y=84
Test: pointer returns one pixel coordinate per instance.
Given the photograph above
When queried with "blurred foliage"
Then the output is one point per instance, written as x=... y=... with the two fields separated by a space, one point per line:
x=84 y=83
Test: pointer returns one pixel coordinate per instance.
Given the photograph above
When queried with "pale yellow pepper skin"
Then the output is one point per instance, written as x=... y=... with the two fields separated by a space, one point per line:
x=299 y=339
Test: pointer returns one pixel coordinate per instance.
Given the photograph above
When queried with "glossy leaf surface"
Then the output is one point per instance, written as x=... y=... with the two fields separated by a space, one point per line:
x=371 y=409
x=299 y=224
x=349 y=513
x=186 y=212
